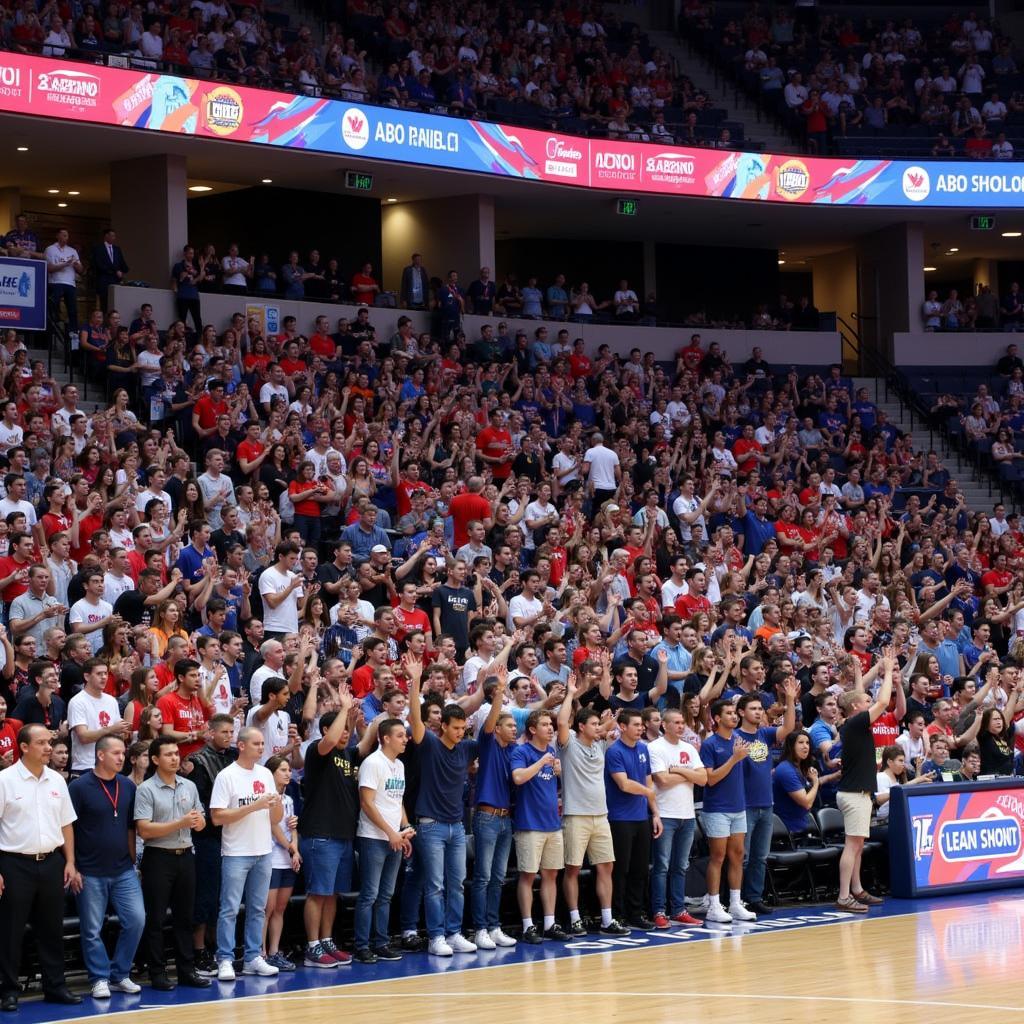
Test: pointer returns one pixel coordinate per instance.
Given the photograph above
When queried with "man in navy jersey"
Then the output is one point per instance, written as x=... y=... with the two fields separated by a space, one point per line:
x=538 y=824
x=757 y=785
x=492 y=820
x=440 y=835
x=724 y=813
x=633 y=817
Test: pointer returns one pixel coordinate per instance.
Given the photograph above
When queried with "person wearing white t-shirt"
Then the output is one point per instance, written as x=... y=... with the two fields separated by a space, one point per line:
x=526 y=608
x=246 y=805
x=91 y=613
x=602 y=470
x=539 y=513
x=15 y=500
x=281 y=591
x=675 y=769
x=384 y=836
x=62 y=263
x=566 y=465
x=237 y=271
x=272 y=720
x=11 y=434
x=91 y=715
x=675 y=586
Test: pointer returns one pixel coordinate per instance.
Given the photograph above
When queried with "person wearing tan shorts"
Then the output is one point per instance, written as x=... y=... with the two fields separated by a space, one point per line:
x=585 y=806
x=537 y=825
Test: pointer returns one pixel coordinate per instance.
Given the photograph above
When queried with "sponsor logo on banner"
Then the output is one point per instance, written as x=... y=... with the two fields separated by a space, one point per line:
x=561 y=158
x=10 y=81
x=70 y=88
x=223 y=110
x=17 y=287
x=611 y=166
x=355 y=128
x=986 y=838
x=916 y=184
x=670 y=168
x=792 y=179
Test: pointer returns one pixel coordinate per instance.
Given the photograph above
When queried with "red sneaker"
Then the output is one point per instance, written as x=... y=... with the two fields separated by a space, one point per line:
x=684 y=918
x=660 y=921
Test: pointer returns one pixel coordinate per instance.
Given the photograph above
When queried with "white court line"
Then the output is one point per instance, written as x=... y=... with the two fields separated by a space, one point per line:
x=347 y=987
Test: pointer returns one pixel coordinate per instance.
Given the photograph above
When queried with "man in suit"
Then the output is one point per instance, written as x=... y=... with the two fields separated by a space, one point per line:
x=415 y=290
x=108 y=265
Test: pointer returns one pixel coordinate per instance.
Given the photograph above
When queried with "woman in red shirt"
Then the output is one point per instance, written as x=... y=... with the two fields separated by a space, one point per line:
x=304 y=492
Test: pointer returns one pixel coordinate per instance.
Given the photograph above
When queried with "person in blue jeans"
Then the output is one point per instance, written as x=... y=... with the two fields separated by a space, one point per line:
x=384 y=836
x=757 y=786
x=675 y=769
x=440 y=834
x=492 y=821
x=245 y=803
x=104 y=801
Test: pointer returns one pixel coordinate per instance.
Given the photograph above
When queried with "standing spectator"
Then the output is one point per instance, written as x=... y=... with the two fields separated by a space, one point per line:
x=633 y=818
x=185 y=277
x=167 y=812
x=452 y=305
x=414 y=292
x=723 y=813
x=384 y=837
x=538 y=825
x=104 y=802
x=602 y=471
x=92 y=714
x=37 y=862
x=62 y=263
x=245 y=803
x=280 y=588
x=858 y=783
x=440 y=834
x=108 y=265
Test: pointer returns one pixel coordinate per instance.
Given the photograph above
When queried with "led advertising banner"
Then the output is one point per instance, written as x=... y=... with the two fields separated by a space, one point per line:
x=23 y=294
x=954 y=837
x=97 y=94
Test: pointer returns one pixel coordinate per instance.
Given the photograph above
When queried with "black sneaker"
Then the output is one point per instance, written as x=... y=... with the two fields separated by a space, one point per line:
x=205 y=963
x=645 y=924
x=614 y=928
x=387 y=953
x=532 y=936
x=364 y=956
x=759 y=908
x=413 y=944
x=556 y=934
x=577 y=928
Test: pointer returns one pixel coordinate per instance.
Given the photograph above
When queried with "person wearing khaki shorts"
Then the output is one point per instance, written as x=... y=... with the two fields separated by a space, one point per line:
x=585 y=809
x=858 y=783
x=537 y=825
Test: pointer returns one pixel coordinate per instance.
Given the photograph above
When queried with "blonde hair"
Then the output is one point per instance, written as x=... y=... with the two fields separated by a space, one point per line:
x=849 y=698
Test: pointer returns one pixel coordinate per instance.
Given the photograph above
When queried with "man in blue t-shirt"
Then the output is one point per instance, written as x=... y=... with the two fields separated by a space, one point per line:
x=724 y=812
x=492 y=823
x=538 y=825
x=440 y=834
x=633 y=818
x=757 y=786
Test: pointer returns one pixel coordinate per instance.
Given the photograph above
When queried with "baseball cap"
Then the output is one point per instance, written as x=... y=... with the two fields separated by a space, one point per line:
x=378 y=549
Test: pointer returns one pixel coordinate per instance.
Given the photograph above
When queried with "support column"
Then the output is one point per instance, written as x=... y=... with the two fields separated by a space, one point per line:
x=452 y=234
x=149 y=212
x=986 y=272
x=10 y=207
x=650 y=282
x=891 y=285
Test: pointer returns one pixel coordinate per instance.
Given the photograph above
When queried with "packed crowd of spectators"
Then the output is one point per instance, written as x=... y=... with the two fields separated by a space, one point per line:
x=570 y=66
x=954 y=82
x=268 y=608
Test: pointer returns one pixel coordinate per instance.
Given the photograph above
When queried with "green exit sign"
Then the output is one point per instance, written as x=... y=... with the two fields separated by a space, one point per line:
x=627 y=207
x=983 y=222
x=359 y=181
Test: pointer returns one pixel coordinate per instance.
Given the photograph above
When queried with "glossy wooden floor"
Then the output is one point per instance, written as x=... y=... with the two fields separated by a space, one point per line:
x=956 y=964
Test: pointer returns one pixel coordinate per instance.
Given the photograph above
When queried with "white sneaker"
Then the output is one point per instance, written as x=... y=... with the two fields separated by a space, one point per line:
x=499 y=938
x=460 y=944
x=100 y=990
x=125 y=985
x=260 y=966
x=717 y=914
x=698 y=907
x=438 y=947
x=483 y=940
x=225 y=971
x=738 y=912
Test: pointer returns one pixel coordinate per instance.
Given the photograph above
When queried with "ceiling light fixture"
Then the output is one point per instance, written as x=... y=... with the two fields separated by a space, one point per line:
x=781 y=262
x=54 y=191
x=62 y=205
x=23 y=149
x=926 y=269
x=392 y=200
x=200 y=188
x=74 y=193
x=267 y=181
x=954 y=250
x=1011 y=234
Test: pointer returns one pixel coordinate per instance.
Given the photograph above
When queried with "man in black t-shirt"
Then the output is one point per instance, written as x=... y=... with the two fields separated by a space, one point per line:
x=327 y=827
x=136 y=606
x=858 y=784
x=454 y=605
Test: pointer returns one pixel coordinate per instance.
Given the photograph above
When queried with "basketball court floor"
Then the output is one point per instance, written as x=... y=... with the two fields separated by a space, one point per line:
x=951 y=959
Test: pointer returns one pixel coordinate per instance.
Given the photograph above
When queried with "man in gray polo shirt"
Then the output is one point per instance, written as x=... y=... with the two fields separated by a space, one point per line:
x=167 y=810
x=34 y=612
x=585 y=810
